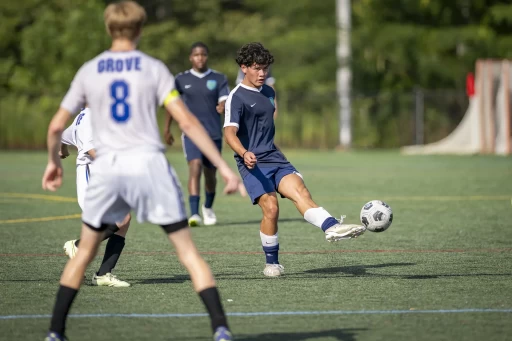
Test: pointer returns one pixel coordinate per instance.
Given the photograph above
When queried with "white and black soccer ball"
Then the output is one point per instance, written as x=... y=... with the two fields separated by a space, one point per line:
x=376 y=215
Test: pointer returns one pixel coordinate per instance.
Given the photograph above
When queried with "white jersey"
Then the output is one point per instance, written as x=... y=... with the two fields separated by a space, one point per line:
x=79 y=134
x=123 y=90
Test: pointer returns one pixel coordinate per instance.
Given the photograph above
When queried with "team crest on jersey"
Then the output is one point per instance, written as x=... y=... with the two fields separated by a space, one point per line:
x=211 y=84
x=272 y=101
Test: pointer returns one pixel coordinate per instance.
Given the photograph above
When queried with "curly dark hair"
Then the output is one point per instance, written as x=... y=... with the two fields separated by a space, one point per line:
x=253 y=53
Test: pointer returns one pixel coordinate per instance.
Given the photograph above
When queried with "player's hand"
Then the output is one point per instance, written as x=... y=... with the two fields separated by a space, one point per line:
x=250 y=160
x=169 y=139
x=232 y=180
x=220 y=108
x=242 y=190
x=52 y=177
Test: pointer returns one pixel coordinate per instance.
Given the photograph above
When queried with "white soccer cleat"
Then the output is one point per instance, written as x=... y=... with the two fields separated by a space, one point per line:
x=70 y=249
x=342 y=231
x=109 y=280
x=209 y=217
x=195 y=220
x=273 y=270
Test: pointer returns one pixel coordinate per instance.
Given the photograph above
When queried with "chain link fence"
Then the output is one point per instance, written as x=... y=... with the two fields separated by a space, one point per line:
x=384 y=120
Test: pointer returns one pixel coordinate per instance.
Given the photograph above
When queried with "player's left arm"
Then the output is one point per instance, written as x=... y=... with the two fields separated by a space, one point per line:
x=169 y=139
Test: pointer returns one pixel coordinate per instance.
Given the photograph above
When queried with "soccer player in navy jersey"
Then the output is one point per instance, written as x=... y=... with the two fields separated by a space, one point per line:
x=249 y=130
x=204 y=91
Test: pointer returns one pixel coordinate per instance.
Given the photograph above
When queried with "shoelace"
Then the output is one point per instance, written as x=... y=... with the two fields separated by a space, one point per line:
x=342 y=218
x=113 y=278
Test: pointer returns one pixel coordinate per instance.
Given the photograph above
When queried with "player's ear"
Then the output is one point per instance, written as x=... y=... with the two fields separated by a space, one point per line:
x=244 y=68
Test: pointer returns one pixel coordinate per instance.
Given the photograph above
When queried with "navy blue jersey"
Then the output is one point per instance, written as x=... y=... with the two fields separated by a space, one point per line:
x=201 y=92
x=251 y=110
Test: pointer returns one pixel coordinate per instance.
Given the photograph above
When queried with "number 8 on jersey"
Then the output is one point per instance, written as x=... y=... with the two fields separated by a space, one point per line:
x=120 y=109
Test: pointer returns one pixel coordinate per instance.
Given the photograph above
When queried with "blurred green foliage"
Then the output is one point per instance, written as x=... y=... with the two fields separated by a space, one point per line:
x=398 y=46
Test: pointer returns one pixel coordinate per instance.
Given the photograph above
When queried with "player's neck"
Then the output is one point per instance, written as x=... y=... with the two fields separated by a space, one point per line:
x=249 y=84
x=202 y=70
x=123 y=45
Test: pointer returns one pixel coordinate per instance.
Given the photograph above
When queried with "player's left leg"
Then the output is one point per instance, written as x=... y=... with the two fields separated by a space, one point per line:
x=115 y=245
x=71 y=280
x=210 y=184
x=291 y=186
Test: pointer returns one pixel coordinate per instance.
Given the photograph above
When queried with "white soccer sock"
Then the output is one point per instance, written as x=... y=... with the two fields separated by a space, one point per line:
x=267 y=241
x=316 y=216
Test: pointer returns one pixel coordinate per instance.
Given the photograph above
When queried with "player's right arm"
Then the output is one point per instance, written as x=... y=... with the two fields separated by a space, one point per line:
x=233 y=114
x=74 y=100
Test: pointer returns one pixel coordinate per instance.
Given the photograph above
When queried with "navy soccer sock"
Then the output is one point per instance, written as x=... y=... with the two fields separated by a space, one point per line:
x=329 y=222
x=208 y=203
x=193 y=201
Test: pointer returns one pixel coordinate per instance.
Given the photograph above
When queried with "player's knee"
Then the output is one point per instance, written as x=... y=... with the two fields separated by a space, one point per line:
x=194 y=167
x=271 y=209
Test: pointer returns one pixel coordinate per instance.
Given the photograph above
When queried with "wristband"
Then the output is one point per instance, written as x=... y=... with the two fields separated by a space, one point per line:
x=243 y=155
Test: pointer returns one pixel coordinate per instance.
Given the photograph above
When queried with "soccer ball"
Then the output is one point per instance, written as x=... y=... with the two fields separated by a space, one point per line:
x=376 y=215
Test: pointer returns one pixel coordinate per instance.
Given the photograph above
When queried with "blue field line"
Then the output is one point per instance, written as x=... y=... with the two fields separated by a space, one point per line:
x=273 y=313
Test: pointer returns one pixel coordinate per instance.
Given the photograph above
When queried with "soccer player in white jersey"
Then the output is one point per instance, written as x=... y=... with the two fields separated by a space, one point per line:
x=79 y=135
x=123 y=87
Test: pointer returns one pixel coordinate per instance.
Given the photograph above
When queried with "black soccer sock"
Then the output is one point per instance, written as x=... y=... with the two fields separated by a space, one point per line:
x=109 y=232
x=211 y=300
x=113 y=250
x=65 y=297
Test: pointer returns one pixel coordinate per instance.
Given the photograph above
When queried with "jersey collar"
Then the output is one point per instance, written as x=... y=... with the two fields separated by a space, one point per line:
x=250 y=87
x=199 y=74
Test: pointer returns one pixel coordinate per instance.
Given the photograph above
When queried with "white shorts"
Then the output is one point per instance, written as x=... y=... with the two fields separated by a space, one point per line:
x=145 y=183
x=83 y=174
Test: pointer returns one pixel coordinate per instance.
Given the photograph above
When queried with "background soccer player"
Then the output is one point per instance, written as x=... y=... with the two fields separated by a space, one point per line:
x=204 y=91
x=249 y=130
x=123 y=87
x=79 y=134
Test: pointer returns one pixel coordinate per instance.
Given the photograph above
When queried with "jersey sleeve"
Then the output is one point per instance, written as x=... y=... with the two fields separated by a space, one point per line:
x=75 y=97
x=177 y=82
x=233 y=111
x=166 y=88
x=85 y=133
x=67 y=136
x=223 y=89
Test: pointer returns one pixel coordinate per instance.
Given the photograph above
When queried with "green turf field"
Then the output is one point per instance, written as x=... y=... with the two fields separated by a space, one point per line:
x=443 y=271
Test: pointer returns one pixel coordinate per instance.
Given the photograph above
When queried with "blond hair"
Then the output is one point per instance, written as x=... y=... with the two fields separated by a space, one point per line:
x=124 y=19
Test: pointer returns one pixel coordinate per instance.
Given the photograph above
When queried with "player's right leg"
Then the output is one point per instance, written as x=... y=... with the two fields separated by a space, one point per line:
x=194 y=159
x=261 y=190
x=72 y=278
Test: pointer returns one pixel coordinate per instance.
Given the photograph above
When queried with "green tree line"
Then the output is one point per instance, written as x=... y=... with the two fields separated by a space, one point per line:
x=397 y=46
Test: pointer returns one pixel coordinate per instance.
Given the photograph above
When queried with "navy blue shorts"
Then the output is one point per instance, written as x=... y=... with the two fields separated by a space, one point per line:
x=193 y=153
x=261 y=180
